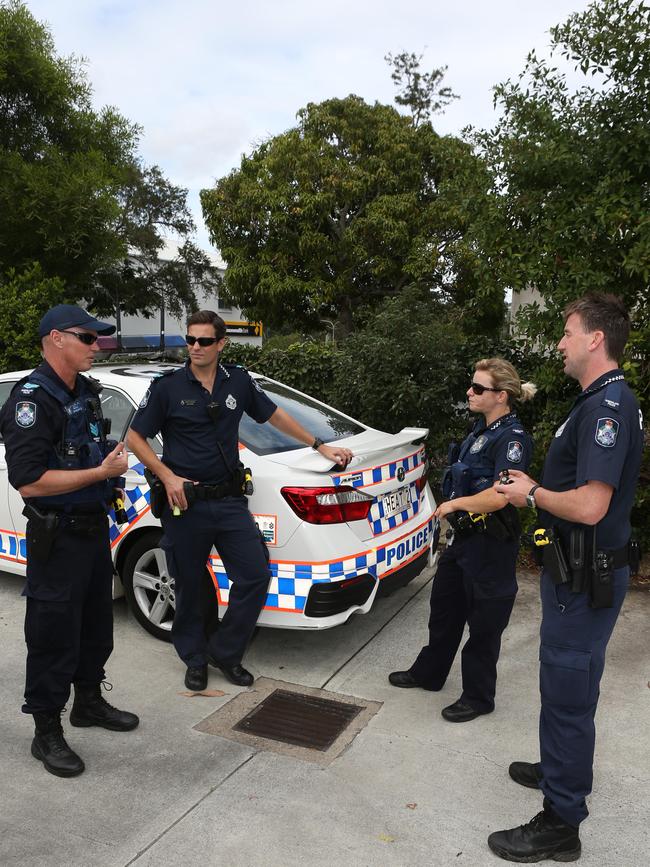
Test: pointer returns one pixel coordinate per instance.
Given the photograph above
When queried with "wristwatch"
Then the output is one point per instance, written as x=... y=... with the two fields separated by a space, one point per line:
x=530 y=497
x=318 y=442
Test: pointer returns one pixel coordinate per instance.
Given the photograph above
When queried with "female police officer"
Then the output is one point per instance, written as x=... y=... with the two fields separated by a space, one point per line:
x=475 y=581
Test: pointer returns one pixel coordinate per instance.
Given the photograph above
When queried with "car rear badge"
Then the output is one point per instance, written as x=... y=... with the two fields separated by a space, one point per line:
x=400 y=474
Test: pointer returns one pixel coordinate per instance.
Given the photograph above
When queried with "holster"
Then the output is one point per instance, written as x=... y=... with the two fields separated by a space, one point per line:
x=553 y=557
x=41 y=531
x=601 y=586
x=157 y=493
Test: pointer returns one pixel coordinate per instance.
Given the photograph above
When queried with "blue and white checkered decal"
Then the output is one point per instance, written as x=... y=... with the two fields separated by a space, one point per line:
x=136 y=499
x=384 y=473
x=380 y=523
x=291 y=581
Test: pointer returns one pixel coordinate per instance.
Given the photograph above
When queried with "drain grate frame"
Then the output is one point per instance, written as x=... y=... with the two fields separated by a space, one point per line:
x=302 y=720
x=223 y=721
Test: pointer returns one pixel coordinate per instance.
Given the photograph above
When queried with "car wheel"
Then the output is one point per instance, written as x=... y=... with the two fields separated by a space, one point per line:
x=148 y=586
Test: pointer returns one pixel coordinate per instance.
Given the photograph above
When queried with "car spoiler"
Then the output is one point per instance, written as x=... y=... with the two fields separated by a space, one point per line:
x=365 y=449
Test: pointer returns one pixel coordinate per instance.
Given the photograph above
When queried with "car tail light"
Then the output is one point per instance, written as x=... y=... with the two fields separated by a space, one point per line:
x=420 y=483
x=328 y=505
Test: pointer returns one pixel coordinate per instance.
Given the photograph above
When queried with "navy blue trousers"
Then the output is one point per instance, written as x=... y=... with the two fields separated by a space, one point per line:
x=229 y=526
x=69 y=618
x=573 y=644
x=474 y=584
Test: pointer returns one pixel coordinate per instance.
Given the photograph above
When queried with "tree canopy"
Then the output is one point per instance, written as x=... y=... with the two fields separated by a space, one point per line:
x=572 y=166
x=346 y=209
x=75 y=197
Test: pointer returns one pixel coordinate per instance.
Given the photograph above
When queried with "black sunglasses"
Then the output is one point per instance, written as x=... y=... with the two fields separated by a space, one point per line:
x=84 y=336
x=190 y=339
x=477 y=388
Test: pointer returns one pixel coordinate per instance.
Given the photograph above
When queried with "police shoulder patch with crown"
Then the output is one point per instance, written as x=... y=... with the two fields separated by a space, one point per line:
x=25 y=413
x=606 y=432
x=515 y=452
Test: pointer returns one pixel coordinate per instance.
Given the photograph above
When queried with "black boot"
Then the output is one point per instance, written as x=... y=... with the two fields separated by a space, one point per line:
x=49 y=746
x=90 y=708
x=546 y=836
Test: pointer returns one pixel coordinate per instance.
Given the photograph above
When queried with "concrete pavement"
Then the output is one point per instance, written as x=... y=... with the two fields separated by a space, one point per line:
x=411 y=789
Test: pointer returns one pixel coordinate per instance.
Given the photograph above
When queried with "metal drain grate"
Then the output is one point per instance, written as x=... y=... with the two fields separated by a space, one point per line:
x=302 y=720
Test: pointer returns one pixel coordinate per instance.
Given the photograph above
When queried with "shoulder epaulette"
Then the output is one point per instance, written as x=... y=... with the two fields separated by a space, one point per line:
x=161 y=374
x=93 y=384
x=233 y=365
x=612 y=396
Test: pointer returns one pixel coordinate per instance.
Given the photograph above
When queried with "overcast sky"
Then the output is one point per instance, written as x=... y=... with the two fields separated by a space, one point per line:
x=207 y=80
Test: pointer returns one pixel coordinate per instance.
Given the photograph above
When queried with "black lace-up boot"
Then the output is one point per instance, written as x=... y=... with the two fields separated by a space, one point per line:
x=546 y=836
x=90 y=708
x=49 y=746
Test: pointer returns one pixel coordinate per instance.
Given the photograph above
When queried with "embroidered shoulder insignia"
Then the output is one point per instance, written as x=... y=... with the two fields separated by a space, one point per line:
x=606 y=432
x=25 y=413
x=515 y=452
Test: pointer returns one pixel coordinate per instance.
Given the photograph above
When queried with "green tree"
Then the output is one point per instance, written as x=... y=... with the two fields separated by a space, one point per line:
x=23 y=299
x=572 y=197
x=74 y=195
x=573 y=167
x=347 y=208
x=422 y=92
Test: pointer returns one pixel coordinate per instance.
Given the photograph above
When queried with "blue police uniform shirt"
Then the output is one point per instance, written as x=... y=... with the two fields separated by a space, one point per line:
x=32 y=423
x=488 y=450
x=601 y=440
x=176 y=406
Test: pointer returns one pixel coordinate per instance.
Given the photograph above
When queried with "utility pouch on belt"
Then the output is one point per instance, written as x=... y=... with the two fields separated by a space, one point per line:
x=41 y=531
x=553 y=556
x=157 y=493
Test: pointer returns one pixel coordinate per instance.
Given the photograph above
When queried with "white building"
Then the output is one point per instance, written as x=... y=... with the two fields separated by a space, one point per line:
x=139 y=333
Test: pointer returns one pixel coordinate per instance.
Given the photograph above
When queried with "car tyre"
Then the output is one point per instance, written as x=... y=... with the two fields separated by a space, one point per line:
x=148 y=587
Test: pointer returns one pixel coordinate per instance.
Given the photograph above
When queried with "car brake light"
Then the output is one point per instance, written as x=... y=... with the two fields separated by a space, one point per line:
x=420 y=483
x=328 y=505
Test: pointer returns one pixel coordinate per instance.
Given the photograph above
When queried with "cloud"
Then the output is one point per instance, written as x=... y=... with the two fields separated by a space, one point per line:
x=207 y=80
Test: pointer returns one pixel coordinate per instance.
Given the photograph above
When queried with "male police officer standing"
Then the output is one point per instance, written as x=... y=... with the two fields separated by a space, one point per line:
x=197 y=409
x=584 y=501
x=65 y=469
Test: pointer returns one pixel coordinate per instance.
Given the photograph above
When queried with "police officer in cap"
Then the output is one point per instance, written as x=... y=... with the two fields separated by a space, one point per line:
x=584 y=500
x=61 y=462
x=475 y=583
x=197 y=408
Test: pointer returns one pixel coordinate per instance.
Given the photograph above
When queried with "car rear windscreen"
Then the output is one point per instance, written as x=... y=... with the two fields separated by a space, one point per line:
x=321 y=421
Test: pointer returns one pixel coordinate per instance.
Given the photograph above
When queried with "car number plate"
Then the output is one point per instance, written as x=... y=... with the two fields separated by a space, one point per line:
x=396 y=501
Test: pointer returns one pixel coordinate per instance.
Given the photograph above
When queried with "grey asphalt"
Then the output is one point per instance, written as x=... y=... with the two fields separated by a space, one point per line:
x=411 y=789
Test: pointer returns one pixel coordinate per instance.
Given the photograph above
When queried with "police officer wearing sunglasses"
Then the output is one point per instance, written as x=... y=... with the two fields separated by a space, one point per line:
x=62 y=463
x=197 y=409
x=475 y=583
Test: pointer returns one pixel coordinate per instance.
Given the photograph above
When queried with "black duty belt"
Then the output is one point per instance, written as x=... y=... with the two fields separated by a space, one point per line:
x=213 y=492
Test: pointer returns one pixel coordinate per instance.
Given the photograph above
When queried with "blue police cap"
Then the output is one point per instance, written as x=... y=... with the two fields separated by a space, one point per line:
x=65 y=316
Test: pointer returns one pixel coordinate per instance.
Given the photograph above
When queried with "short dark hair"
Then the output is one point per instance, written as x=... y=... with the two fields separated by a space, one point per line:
x=208 y=317
x=599 y=311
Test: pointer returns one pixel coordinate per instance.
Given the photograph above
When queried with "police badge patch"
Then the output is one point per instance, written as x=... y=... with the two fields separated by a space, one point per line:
x=515 y=451
x=231 y=403
x=606 y=432
x=25 y=413
x=478 y=445
x=145 y=399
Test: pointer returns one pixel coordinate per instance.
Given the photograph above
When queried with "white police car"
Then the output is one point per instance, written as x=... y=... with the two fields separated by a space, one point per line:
x=336 y=539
